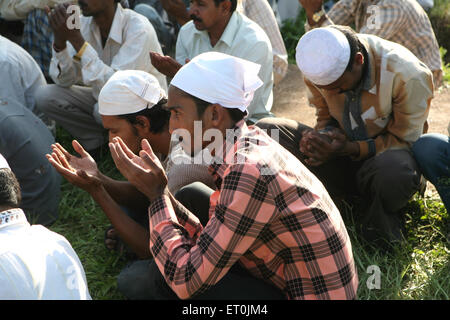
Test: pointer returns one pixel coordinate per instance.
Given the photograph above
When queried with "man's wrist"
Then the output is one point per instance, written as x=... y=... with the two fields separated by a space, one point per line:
x=97 y=192
x=77 y=42
x=59 y=46
x=351 y=149
x=316 y=18
x=159 y=192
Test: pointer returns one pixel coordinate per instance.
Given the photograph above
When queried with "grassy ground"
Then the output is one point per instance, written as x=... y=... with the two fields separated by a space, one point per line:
x=417 y=269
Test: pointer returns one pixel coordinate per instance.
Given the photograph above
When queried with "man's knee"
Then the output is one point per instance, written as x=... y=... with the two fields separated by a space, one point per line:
x=189 y=192
x=136 y=280
x=44 y=96
x=392 y=175
x=429 y=147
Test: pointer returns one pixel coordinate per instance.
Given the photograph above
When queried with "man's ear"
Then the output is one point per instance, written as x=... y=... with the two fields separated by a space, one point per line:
x=214 y=114
x=142 y=123
x=226 y=6
x=359 y=58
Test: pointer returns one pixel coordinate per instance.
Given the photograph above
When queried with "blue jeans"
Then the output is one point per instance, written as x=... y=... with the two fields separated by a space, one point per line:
x=432 y=153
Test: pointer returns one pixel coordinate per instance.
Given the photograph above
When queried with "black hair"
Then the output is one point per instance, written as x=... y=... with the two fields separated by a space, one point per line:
x=157 y=115
x=235 y=114
x=10 y=195
x=233 y=4
x=355 y=45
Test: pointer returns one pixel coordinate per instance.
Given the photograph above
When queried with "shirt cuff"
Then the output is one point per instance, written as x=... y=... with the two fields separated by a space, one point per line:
x=88 y=56
x=367 y=149
x=63 y=57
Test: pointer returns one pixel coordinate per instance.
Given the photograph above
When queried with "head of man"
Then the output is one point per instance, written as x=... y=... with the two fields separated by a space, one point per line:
x=10 y=195
x=131 y=105
x=215 y=89
x=206 y=14
x=91 y=8
x=332 y=58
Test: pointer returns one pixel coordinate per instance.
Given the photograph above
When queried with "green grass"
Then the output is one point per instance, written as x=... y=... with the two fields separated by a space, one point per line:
x=416 y=269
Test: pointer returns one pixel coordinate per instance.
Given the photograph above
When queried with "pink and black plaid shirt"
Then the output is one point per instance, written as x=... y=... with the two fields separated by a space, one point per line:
x=270 y=214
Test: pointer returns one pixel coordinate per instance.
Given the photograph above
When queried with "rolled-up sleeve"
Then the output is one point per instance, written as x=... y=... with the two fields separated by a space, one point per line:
x=191 y=267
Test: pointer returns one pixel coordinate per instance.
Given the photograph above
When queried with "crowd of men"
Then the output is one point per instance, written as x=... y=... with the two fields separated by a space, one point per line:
x=221 y=198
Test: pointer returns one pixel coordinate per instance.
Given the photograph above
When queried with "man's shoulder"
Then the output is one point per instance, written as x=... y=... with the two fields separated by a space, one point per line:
x=395 y=58
x=249 y=28
x=187 y=29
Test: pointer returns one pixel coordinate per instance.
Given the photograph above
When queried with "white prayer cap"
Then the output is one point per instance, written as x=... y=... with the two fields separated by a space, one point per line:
x=129 y=91
x=3 y=163
x=322 y=55
x=220 y=78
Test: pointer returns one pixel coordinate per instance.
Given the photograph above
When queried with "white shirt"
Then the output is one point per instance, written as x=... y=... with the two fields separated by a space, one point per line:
x=36 y=263
x=18 y=9
x=241 y=38
x=128 y=47
x=20 y=74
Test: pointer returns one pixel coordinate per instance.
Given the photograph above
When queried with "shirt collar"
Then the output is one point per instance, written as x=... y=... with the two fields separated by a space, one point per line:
x=230 y=31
x=369 y=80
x=221 y=162
x=117 y=26
x=115 y=33
x=12 y=217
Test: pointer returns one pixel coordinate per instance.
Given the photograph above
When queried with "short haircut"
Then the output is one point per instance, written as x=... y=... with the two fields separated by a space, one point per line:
x=355 y=45
x=235 y=114
x=10 y=195
x=157 y=115
x=233 y=4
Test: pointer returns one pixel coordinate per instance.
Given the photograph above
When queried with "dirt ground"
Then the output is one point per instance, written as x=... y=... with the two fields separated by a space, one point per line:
x=290 y=102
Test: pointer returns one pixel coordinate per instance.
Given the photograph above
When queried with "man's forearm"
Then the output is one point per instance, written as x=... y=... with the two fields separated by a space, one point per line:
x=124 y=193
x=133 y=234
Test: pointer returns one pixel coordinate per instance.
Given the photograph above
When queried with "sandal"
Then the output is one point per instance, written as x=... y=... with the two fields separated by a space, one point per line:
x=120 y=247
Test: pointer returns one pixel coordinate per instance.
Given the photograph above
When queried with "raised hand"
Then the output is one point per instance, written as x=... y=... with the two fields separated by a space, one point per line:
x=145 y=171
x=57 y=18
x=79 y=171
x=167 y=65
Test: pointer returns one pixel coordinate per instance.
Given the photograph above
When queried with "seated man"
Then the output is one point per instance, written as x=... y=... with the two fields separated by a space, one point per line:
x=372 y=98
x=36 y=263
x=260 y=12
x=22 y=72
x=216 y=26
x=37 y=35
x=24 y=138
x=401 y=21
x=131 y=104
x=111 y=38
x=270 y=218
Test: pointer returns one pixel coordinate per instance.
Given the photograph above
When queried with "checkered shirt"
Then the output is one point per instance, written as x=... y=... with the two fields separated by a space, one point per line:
x=270 y=214
x=38 y=38
x=401 y=21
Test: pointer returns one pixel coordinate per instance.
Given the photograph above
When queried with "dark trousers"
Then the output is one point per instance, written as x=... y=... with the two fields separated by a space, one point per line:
x=142 y=279
x=384 y=183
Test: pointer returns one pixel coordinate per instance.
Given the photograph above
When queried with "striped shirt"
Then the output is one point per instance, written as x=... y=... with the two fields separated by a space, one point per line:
x=401 y=21
x=270 y=214
x=390 y=108
x=261 y=12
